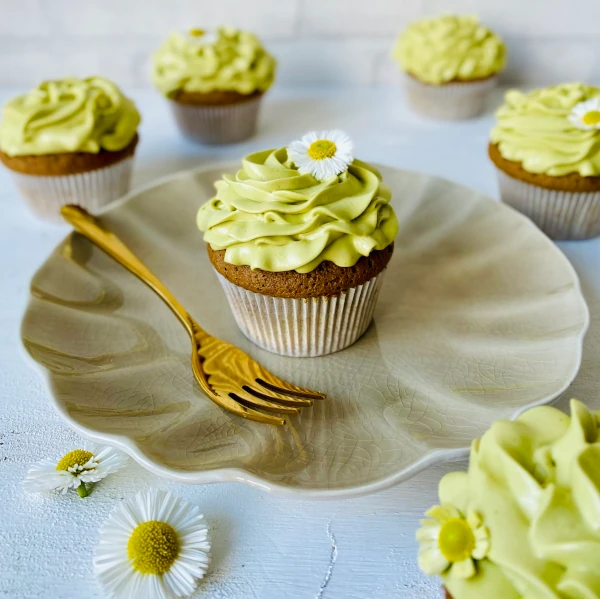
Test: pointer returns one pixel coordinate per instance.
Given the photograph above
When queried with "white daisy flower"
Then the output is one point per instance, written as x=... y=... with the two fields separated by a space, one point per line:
x=75 y=469
x=323 y=154
x=448 y=540
x=586 y=115
x=153 y=545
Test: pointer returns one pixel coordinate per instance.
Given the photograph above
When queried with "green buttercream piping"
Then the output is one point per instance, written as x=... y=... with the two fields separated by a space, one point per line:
x=449 y=48
x=536 y=484
x=233 y=61
x=271 y=217
x=533 y=129
x=71 y=115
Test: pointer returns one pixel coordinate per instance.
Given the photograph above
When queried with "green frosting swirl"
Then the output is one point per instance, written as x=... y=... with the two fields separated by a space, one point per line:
x=233 y=61
x=533 y=129
x=536 y=484
x=271 y=217
x=449 y=48
x=71 y=115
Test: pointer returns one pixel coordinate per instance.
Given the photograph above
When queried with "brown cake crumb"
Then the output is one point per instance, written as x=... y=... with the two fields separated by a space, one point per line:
x=216 y=98
x=573 y=182
x=67 y=163
x=326 y=280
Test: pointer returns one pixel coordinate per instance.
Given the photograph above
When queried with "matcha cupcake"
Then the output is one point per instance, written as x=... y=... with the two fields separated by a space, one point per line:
x=450 y=63
x=546 y=148
x=524 y=521
x=70 y=141
x=300 y=238
x=214 y=82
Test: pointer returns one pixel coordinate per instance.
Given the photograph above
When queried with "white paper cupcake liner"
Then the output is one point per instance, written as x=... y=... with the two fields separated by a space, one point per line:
x=450 y=101
x=303 y=327
x=93 y=189
x=560 y=215
x=225 y=124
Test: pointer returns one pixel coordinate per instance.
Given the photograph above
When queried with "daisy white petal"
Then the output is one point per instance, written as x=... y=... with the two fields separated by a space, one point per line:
x=428 y=533
x=154 y=545
x=463 y=569
x=43 y=476
x=443 y=513
x=432 y=561
x=474 y=519
x=482 y=543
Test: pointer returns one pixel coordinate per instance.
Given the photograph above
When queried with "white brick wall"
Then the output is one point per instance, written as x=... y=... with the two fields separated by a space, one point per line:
x=316 y=41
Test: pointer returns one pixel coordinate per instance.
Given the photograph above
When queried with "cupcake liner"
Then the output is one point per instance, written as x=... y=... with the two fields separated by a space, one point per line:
x=450 y=101
x=45 y=194
x=303 y=327
x=224 y=124
x=560 y=215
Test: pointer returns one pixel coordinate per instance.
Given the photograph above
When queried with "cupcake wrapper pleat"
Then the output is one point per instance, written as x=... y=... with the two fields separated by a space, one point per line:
x=225 y=124
x=303 y=327
x=559 y=214
x=92 y=190
x=450 y=101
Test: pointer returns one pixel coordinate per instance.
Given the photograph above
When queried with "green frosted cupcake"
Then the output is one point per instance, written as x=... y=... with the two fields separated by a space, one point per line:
x=70 y=141
x=300 y=238
x=524 y=521
x=214 y=82
x=546 y=149
x=450 y=65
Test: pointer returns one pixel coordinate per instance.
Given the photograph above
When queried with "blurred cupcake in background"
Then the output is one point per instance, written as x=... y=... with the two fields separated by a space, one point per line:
x=546 y=148
x=450 y=63
x=524 y=521
x=214 y=82
x=70 y=141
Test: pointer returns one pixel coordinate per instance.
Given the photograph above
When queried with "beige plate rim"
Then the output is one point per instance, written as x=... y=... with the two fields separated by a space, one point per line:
x=224 y=475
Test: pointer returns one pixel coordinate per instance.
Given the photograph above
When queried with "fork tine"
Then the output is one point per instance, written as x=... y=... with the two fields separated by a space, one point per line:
x=248 y=400
x=283 y=387
x=246 y=412
x=285 y=400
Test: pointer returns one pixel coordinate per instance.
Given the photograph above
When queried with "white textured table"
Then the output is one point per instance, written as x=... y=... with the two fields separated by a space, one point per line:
x=263 y=546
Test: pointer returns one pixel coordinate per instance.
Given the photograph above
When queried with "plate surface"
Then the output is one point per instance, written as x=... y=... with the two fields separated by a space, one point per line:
x=480 y=317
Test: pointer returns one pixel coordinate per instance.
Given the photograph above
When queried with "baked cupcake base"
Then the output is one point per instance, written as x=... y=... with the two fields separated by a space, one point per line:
x=303 y=314
x=223 y=122
x=92 y=190
x=303 y=327
x=49 y=181
x=449 y=101
x=564 y=208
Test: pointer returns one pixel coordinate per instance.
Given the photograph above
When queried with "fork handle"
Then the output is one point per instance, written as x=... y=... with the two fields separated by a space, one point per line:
x=95 y=231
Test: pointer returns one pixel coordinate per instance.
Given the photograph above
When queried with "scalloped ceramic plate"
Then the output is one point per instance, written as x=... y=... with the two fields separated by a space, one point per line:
x=480 y=317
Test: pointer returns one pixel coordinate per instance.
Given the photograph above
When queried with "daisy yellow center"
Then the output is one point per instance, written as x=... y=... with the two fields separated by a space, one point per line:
x=456 y=540
x=153 y=547
x=75 y=457
x=592 y=117
x=322 y=149
x=197 y=32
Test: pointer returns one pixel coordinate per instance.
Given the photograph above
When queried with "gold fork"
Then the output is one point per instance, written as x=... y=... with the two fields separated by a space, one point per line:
x=228 y=376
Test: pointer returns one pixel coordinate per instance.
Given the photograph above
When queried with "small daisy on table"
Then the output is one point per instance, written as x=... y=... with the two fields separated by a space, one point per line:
x=153 y=545
x=75 y=470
